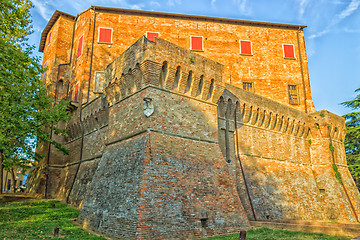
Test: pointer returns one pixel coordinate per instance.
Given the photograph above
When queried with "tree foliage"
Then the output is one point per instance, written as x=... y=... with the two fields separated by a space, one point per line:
x=352 y=139
x=26 y=111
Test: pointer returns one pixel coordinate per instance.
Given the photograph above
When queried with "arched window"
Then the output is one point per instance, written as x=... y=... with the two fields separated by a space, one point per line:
x=201 y=83
x=60 y=89
x=211 y=89
x=163 y=74
x=188 y=82
x=177 y=78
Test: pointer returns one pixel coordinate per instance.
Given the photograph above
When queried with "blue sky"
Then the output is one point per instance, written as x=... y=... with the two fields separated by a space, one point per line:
x=332 y=36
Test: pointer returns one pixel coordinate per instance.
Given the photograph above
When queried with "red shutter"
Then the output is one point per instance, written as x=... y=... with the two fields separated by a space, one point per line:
x=196 y=43
x=105 y=35
x=151 y=35
x=76 y=92
x=289 y=51
x=49 y=39
x=245 y=47
x=80 y=46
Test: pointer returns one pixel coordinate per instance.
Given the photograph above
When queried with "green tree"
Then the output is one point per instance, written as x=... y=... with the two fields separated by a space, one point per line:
x=352 y=139
x=27 y=113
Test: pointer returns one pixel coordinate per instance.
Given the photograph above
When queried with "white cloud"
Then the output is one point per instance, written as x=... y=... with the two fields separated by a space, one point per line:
x=349 y=10
x=302 y=6
x=155 y=4
x=213 y=2
x=42 y=9
x=241 y=5
x=137 y=6
x=348 y=30
x=173 y=2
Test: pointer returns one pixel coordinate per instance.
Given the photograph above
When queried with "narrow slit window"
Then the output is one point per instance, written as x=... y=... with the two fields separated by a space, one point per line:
x=201 y=83
x=105 y=35
x=293 y=94
x=151 y=35
x=245 y=47
x=177 y=78
x=188 y=82
x=248 y=86
x=80 y=45
x=288 y=51
x=196 y=43
x=211 y=89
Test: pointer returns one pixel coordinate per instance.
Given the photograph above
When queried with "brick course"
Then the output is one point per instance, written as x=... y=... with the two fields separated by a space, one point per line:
x=211 y=153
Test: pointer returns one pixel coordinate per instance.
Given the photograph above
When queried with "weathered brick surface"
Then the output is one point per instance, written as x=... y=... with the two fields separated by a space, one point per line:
x=152 y=200
x=210 y=150
x=267 y=67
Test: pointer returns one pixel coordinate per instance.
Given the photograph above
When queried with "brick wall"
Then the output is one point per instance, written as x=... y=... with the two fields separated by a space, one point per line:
x=269 y=71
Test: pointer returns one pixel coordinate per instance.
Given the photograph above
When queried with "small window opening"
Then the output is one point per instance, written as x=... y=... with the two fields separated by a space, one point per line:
x=177 y=78
x=293 y=94
x=196 y=43
x=211 y=89
x=201 y=83
x=204 y=222
x=248 y=86
x=245 y=47
x=289 y=51
x=188 y=82
x=164 y=70
x=105 y=35
x=321 y=190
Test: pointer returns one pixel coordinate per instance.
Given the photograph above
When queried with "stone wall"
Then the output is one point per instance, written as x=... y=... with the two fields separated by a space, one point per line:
x=209 y=157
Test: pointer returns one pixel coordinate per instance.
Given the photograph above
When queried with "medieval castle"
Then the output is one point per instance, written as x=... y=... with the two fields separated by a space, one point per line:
x=187 y=126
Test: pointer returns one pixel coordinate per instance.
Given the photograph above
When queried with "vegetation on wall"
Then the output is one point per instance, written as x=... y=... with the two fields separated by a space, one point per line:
x=352 y=139
x=26 y=112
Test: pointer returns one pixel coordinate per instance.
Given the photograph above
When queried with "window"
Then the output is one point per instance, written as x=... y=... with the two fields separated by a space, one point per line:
x=245 y=47
x=248 y=86
x=204 y=222
x=188 y=82
x=293 y=94
x=177 y=78
x=105 y=35
x=49 y=38
x=80 y=46
x=196 y=43
x=151 y=35
x=76 y=92
x=99 y=81
x=211 y=89
x=288 y=51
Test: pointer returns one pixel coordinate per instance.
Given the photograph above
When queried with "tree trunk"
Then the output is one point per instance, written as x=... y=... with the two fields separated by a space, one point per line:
x=1 y=172
x=14 y=179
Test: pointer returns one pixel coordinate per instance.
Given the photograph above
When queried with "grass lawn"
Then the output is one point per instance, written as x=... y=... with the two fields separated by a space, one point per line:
x=36 y=219
x=275 y=234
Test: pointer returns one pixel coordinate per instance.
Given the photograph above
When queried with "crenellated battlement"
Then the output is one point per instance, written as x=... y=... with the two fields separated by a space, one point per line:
x=95 y=116
x=140 y=66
